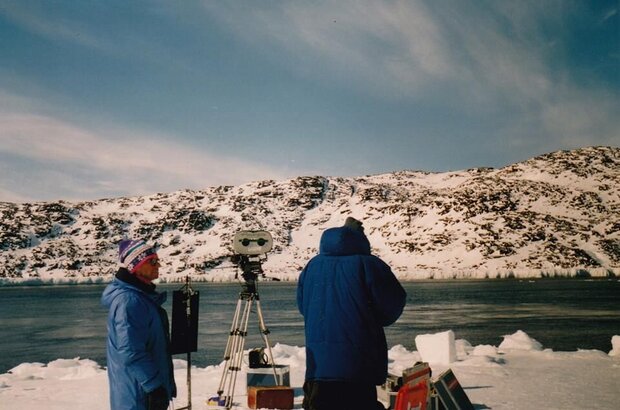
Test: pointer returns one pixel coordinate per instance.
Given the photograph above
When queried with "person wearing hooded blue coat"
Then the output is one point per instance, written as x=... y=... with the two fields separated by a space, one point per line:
x=140 y=370
x=346 y=296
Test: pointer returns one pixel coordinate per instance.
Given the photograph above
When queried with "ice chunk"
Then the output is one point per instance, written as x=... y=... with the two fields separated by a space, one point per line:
x=615 y=346
x=485 y=350
x=463 y=349
x=519 y=341
x=438 y=348
x=27 y=369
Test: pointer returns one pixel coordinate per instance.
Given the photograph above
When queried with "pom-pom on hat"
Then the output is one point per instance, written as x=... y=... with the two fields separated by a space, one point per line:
x=132 y=254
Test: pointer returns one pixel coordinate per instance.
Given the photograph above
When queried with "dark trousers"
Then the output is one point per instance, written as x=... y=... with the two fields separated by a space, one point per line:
x=338 y=395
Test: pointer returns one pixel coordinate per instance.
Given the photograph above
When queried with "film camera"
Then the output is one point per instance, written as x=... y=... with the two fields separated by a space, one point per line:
x=251 y=248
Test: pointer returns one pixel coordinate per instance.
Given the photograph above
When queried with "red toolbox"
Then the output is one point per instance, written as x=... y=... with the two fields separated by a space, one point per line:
x=414 y=393
x=412 y=397
x=270 y=397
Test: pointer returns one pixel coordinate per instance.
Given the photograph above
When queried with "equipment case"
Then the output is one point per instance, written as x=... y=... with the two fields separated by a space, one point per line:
x=263 y=376
x=451 y=394
x=273 y=397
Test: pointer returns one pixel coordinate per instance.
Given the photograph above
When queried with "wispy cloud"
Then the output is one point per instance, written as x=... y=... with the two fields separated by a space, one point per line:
x=611 y=13
x=36 y=20
x=123 y=41
x=495 y=58
x=388 y=46
x=583 y=118
x=77 y=162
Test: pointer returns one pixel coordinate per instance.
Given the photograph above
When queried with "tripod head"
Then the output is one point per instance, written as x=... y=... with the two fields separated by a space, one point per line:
x=251 y=249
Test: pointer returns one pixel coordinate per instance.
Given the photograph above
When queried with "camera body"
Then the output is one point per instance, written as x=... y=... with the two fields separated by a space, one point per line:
x=251 y=249
x=252 y=243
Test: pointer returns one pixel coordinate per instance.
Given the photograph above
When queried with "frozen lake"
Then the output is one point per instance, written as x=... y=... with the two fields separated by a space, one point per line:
x=43 y=323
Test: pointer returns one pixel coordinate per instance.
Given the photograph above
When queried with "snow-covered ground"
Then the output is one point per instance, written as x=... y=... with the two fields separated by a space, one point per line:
x=517 y=374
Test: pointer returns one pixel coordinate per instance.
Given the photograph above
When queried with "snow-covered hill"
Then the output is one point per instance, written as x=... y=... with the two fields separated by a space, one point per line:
x=557 y=214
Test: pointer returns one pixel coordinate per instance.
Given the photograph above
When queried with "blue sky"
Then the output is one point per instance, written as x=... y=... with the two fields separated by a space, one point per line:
x=116 y=98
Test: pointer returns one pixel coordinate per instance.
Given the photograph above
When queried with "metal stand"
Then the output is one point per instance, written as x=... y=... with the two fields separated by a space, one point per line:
x=189 y=383
x=233 y=355
x=188 y=292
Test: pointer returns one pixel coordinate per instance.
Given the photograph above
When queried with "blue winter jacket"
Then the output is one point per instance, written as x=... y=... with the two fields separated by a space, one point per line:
x=137 y=347
x=347 y=296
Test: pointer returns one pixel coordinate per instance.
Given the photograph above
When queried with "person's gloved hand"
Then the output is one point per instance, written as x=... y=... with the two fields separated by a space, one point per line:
x=157 y=399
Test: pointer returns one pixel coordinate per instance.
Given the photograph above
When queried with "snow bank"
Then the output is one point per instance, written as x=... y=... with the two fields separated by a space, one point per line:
x=62 y=369
x=517 y=376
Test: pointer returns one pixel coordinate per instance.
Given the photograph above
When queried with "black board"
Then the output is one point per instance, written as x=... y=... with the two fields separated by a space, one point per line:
x=451 y=393
x=184 y=338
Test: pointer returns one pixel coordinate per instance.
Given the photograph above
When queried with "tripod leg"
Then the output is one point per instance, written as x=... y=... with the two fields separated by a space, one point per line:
x=229 y=345
x=264 y=333
x=237 y=343
x=239 y=350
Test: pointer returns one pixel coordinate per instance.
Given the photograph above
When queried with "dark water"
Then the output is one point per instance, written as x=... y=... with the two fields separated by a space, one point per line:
x=40 y=324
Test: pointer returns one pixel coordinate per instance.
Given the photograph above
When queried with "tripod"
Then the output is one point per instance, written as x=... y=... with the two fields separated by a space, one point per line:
x=233 y=355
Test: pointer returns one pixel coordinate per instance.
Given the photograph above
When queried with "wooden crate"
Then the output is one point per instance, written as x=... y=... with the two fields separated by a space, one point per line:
x=270 y=397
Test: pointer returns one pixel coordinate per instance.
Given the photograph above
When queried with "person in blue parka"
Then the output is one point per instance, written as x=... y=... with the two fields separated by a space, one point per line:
x=140 y=368
x=346 y=296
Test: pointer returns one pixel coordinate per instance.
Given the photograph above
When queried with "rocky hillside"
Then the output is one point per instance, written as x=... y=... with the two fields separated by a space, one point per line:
x=553 y=215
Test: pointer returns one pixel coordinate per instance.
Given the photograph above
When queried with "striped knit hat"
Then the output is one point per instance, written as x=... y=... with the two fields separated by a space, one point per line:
x=132 y=254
